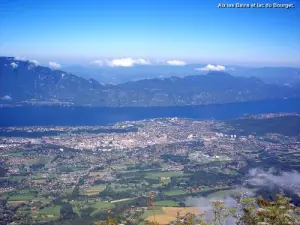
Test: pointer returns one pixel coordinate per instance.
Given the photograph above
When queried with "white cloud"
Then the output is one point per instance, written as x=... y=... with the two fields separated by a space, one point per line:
x=20 y=58
x=142 y=62
x=210 y=67
x=54 y=65
x=14 y=65
x=127 y=62
x=176 y=63
x=33 y=61
x=206 y=203
x=6 y=97
x=97 y=63
x=259 y=177
x=122 y=62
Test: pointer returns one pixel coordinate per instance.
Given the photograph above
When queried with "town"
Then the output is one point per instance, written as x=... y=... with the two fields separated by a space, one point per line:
x=96 y=170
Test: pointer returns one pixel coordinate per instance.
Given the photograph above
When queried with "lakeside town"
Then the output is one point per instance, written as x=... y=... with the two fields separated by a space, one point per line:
x=113 y=168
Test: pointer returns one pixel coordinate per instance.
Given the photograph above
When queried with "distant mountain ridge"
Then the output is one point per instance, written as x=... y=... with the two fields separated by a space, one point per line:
x=116 y=75
x=25 y=82
x=22 y=80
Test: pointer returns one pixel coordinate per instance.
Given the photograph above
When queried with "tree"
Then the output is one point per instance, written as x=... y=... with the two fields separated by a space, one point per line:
x=254 y=211
x=66 y=211
x=250 y=211
x=109 y=221
x=277 y=212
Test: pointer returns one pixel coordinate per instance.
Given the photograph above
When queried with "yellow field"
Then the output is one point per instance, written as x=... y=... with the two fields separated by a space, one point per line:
x=94 y=174
x=48 y=216
x=94 y=190
x=15 y=202
x=170 y=214
x=161 y=219
x=121 y=200
x=172 y=211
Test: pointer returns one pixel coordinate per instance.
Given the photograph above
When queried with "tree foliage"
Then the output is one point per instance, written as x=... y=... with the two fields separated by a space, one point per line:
x=250 y=211
x=262 y=212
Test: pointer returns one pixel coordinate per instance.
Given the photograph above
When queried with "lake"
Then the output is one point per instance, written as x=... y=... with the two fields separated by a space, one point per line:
x=77 y=116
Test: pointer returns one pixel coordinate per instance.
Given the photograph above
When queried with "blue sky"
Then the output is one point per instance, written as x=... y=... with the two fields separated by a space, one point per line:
x=80 y=31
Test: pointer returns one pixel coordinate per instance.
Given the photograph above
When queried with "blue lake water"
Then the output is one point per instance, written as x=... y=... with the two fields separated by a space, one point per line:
x=72 y=116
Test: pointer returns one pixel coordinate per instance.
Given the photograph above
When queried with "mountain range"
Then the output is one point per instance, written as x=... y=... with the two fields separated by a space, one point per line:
x=26 y=82
x=116 y=75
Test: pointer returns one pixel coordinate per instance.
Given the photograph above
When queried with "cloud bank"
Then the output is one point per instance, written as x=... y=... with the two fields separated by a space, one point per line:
x=130 y=62
x=97 y=62
x=20 y=58
x=127 y=62
x=261 y=178
x=256 y=177
x=206 y=204
x=33 y=61
x=176 y=63
x=210 y=67
x=54 y=65
x=122 y=62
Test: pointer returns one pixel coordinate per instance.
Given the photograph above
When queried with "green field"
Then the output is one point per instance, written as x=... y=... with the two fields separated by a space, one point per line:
x=21 y=197
x=42 y=199
x=156 y=211
x=228 y=171
x=48 y=213
x=39 y=181
x=15 y=202
x=76 y=205
x=174 y=192
x=155 y=175
x=166 y=203
x=120 y=188
x=100 y=206
x=165 y=181
x=54 y=210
